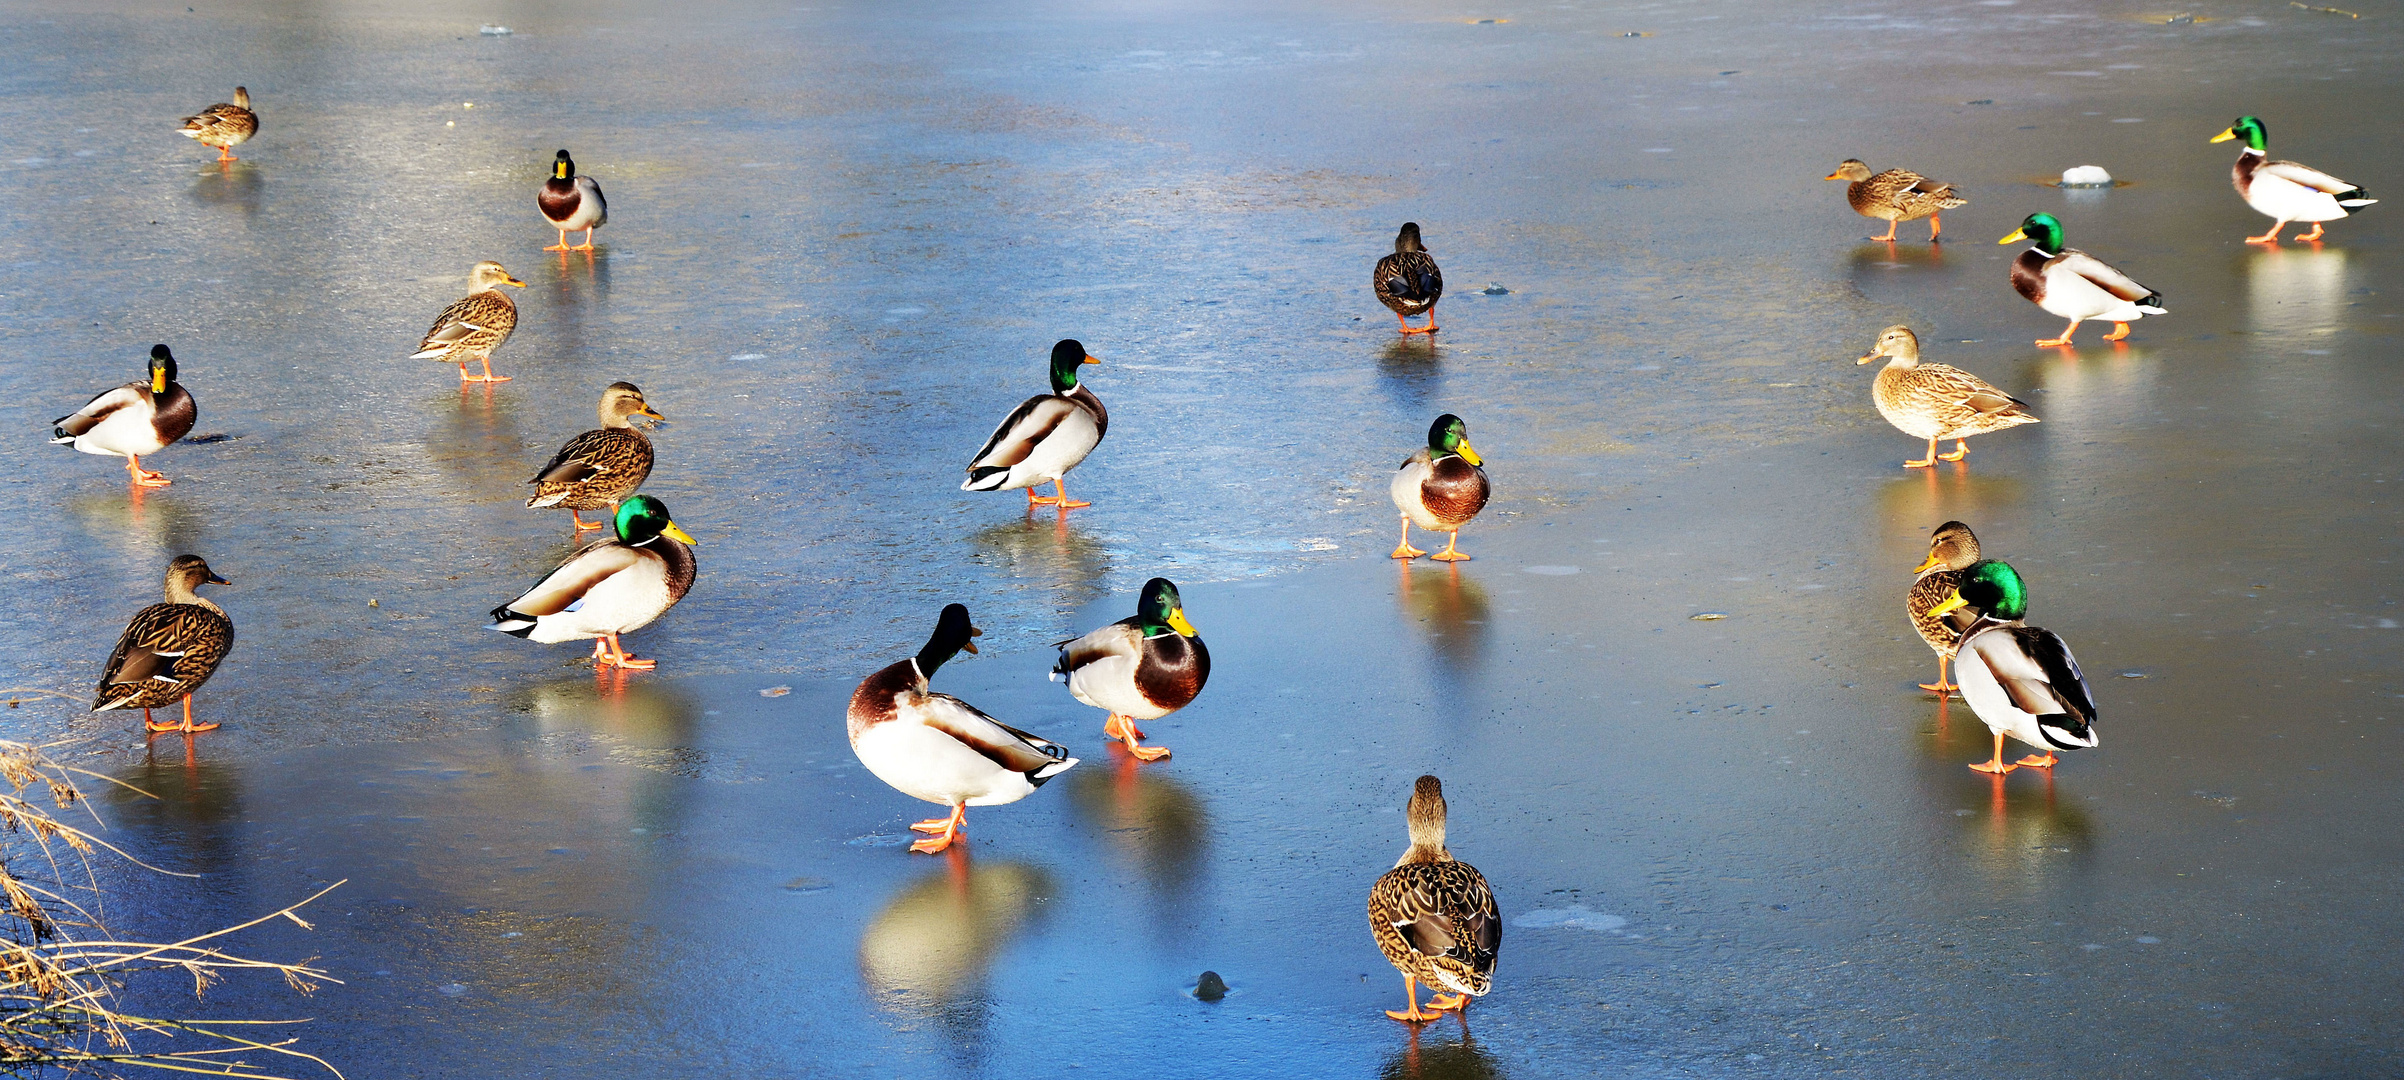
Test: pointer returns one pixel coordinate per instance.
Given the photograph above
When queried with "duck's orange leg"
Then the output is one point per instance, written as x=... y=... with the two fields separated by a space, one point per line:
x=582 y=524
x=1060 y=484
x=1410 y=993
x=1995 y=764
x=1447 y=1002
x=587 y=245
x=2120 y=330
x=2313 y=236
x=1406 y=551
x=2271 y=237
x=2035 y=762
x=144 y=477
x=226 y=153
x=946 y=830
x=149 y=724
x=1891 y=225
x=1449 y=554
x=190 y=727
x=488 y=376
x=1123 y=729
x=1940 y=686
x=615 y=655
x=2065 y=338
x=1936 y=226
x=1925 y=462
x=562 y=245
x=1961 y=449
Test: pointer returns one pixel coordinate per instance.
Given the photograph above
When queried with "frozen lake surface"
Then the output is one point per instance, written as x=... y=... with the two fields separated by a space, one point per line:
x=842 y=240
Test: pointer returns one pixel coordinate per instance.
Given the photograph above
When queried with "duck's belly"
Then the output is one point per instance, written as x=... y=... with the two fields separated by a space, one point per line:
x=126 y=431
x=1405 y=491
x=1992 y=703
x=1059 y=452
x=628 y=600
x=2073 y=297
x=924 y=763
x=1109 y=683
x=2287 y=200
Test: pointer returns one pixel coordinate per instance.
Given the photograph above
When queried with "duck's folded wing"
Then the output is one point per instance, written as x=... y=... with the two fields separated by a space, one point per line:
x=2035 y=668
x=1117 y=639
x=2062 y=675
x=1026 y=426
x=1000 y=743
x=575 y=461
x=2104 y=277
x=2306 y=175
x=590 y=566
x=98 y=409
x=1445 y=909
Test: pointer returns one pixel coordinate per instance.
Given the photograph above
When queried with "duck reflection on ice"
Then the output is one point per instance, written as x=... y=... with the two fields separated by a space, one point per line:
x=646 y=712
x=236 y=185
x=2024 y=832
x=1045 y=549
x=480 y=446
x=1873 y=262
x=1451 y=608
x=140 y=525
x=1152 y=820
x=934 y=941
x=190 y=806
x=1411 y=371
x=1455 y=1059
x=2296 y=291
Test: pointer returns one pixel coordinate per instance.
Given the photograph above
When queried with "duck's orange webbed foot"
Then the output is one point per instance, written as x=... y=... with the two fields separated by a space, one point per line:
x=946 y=830
x=1062 y=500
x=2271 y=237
x=2312 y=237
x=1940 y=687
x=608 y=653
x=2120 y=331
x=1449 y=554
x=1997 y=766
x=1961 y=449
x=161 y=725
x=1447 y=1002
x=143 y=477
x=487 y=377
x=2035 y=762
x=582 y=524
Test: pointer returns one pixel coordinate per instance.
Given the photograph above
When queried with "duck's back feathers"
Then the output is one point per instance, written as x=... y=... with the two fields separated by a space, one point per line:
x=1901 y=195
x=166 y=652
x=129 y=420
x=223 y=124
x=2105 y=277
x=594 y=470
x=1438 y=921
x=1047 y=435
x=1408 y=282
x=997 y=742
x=473 y=326
x=589 y=566
x=2039 y=677
x=1937 y=401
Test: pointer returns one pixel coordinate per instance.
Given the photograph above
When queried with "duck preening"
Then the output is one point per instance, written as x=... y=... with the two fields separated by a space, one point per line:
x=1434 y=917
x=134 y=419
x=939 y=748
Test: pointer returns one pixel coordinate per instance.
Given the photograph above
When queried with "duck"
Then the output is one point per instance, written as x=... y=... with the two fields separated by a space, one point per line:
x=2075 y=285
x=1434 y=916
x=1441 y=487
x=1408 y=282
x=2020 y=679
x=1936 y=402
x=571 y=202
x=223 y=126
x=600 y=467
x=611 y=586
x=1142 y=667
x=1045 y=437
x=1952 y=548
x=1897 y=196
x=137 y=418
x=169 y=650
x=2286 y=190
x=474 y=325
x=939 y=748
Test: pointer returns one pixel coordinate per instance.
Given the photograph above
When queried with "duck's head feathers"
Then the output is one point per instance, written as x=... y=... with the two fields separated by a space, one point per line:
x=1426 y=816
x=2249 y=129
x=1850 y=169
x=563 y=166
x=1991 y=588
x=1067 y=357
x=643 y=519
x=1952 y=547
x=486 y=274
x=188 y=573
x=1895 y=342
x=1161 y=610
x=162 y=368
x=1408 y=238
x=952 y=634
x=1449 y=437
x=622 y=401
x=2042 y=231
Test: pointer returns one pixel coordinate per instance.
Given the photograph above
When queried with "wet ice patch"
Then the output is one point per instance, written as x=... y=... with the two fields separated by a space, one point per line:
x=1549 y=571
x=1573 y=917
x=748 y=356
x=775 y=691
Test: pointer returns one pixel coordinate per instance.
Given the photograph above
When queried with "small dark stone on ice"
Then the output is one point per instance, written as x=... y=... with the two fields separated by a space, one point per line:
x=1497 y=290
x=1210 y=987
x=1982 y=101
x=212 y=437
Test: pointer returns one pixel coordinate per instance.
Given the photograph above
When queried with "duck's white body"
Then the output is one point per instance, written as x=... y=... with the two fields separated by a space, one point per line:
x=1039 y=442
x=1109 y=682
x=2077 y=285
x=941 y=749
x=2004 y=679
x=608 y=587
x=128 y=425
x=2290 y=191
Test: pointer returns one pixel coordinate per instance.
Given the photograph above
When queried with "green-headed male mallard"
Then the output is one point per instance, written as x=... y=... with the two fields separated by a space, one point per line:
x=1896 y=196
x=134 y=419
x=223 y=126
x=571 y=202
x=939 y=748
x=169 y=649
x=2286 y=190
x=1434 y=917
x=1440 y=487
x=600 y=468
x=611 y=586
x=1951 y=550
x=474 y=325
x=1045 y=437
x=1936 y=402
x=1142 y=667
x=2021 y=680
x=2075 y=285
x=1407 y=282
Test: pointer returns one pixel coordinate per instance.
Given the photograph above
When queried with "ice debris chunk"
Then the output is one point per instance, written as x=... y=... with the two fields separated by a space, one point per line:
x=2086 y=176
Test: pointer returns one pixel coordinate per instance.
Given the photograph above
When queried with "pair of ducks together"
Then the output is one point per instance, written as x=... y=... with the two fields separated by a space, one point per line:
x=471 y=327
x=2021 y=680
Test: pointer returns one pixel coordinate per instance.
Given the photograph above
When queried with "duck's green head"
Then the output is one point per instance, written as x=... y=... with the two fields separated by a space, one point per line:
x=1449 y=437
x=1161 y=610
x=643 y=519
x=563 y=166
x=162 y=369
x=1067 y=357
x=952 y=634
x=1990 y=588
x=2249 y=129
x=2042 y=231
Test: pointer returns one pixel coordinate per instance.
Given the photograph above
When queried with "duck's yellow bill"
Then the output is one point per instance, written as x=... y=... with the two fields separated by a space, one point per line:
x=1092 y=359
x=679 y=534
x=513 y=281
x=158 y=382
x=1833 y=176
x=1932 y=560
x=1177 y=622
x=2017 y=236
x=1469 y=454
x=2224 y=136
x=1950 y=603
x=1867 y=359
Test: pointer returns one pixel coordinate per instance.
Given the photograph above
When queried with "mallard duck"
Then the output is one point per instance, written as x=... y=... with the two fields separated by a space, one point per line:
x=2020 y=679
x=2075 y=285
x=134 y=419
x=1407 y=282
x=224 y=126
x=611 y=586
x=1142 y=667
x=474 y=325
x=1434 y=917
x=571 y=202
x=939 y=748
x=601 y=467
x=1936 y=402
x=2286 y=190
x=1045 y=437
x=1896 y=196
x=1441 y=487
x=1951 y=550
x=169 y=649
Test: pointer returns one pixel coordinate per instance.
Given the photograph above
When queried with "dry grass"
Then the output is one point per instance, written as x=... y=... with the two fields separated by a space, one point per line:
x=61 y=971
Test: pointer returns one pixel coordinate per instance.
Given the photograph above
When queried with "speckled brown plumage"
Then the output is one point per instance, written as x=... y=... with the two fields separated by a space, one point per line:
x=1433 y=916
x=1936 y=402
x=1407 y=282
x=169 y=649
x=600 y=468
x=1951 y=550
x=1896 y=195
x=222 y=125
x=473 y=325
